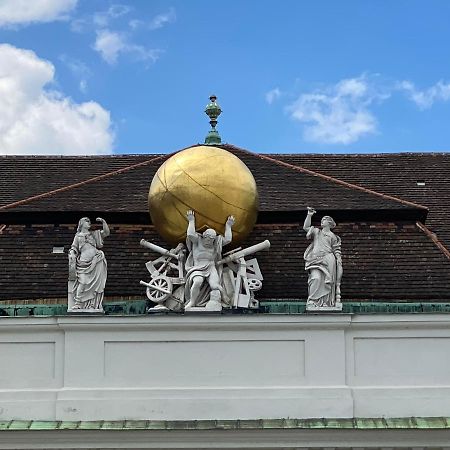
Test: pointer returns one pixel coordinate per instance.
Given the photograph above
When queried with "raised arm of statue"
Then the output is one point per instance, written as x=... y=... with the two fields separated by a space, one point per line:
x=307 y=223
x=228 y=236
x=105 y=230
x=191 y=233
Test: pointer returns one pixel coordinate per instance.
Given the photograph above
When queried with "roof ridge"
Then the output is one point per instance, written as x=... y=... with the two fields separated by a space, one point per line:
x=81 y=183
x=434 y=238
x=405 y=153
x=111 y=156
x=332 y=179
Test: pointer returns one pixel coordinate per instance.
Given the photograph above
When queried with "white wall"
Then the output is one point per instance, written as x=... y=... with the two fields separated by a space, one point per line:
x=224 y=367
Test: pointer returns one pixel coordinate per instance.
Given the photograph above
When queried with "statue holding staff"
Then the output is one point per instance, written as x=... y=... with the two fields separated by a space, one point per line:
x=323 y=263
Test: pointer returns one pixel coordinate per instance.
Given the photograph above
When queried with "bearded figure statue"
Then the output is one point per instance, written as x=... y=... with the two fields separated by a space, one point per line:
x=203 y=274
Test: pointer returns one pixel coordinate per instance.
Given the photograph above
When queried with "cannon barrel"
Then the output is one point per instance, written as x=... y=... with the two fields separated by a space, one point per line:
x=246 y=251
x=158 y=249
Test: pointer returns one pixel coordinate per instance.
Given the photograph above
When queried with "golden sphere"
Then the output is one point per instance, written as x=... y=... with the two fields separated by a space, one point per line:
x=212 y=182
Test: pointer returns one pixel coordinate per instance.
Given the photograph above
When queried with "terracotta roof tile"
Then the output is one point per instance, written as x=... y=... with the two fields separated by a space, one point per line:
x=382 y=262
x=25 y=176
x=282 y=188
x=395 y=174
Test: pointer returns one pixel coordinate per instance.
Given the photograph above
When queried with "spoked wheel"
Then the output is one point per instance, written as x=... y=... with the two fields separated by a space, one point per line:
x=254 y=284
x=159 y=289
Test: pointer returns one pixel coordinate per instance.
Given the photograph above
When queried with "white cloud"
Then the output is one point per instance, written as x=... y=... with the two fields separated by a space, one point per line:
x=79 y=69
x=79 y=25
x=82 y=85
x=36 y=120
x=338 y=114
x=100 y=19
x=103 y=18
x=425 y=99
x=23 y=12
x=273 y=95
x=136 y=23
x=111 y=45
x=162 y=19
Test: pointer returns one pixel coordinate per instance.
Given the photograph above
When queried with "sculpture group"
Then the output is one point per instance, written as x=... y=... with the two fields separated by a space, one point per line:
x=197 y=276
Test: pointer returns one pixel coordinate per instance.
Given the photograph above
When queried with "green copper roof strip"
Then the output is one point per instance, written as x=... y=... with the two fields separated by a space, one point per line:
x=113 y=425
x=5 y=425
x=94 y=425
x=358 y=307
x=401 y=423
x=227 y=424
x=135 y=424
x=313 y=423
x=114 y=308
x=19 y=425
x=206 y=424
x=340 y=423
x=251 y=424
x=367 y=424
x=156 y=425
x=44 y=425
x=138 y=307
x=69 y=425
x=283 y=423
x=421 y=423
x=434 y=422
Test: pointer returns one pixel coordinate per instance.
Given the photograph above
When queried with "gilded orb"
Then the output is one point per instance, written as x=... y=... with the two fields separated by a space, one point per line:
x=212 y=182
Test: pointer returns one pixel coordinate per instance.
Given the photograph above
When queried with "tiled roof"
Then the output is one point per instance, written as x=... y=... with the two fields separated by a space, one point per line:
x=382 y=262
x=386 y=255
x=395 y=174
x=25 y=176
x=282 y=188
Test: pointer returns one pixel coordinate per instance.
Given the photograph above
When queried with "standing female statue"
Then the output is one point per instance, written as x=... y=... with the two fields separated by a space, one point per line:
x=87 y=267
x=323 y=263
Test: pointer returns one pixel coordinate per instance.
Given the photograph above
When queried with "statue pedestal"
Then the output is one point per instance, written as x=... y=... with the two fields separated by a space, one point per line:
x=158 y=309
x=314 y=308
x=81 y=312
x=203 y=310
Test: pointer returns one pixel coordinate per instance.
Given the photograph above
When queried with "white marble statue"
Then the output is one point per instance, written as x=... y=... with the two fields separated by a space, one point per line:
x=203 y=280
x=324 y=265
x=203 y=277
x=87 y=268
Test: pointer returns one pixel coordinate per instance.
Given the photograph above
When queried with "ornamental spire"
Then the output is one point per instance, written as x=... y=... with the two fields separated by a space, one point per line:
x=213 y=111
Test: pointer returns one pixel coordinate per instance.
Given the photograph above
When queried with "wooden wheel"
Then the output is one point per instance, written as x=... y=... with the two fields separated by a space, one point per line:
x=159 y=289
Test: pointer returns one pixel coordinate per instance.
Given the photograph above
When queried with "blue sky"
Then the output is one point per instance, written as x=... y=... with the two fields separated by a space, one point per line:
x=101 y=76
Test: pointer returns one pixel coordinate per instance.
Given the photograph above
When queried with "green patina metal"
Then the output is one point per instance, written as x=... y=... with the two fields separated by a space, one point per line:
x=405 y=423
x=213 y=111
x=124 y=308
x=138 y=307
x=296 y=307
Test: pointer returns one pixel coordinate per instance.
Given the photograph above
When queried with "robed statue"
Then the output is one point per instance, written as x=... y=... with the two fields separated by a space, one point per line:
x=87 y=268
x=324 y=264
